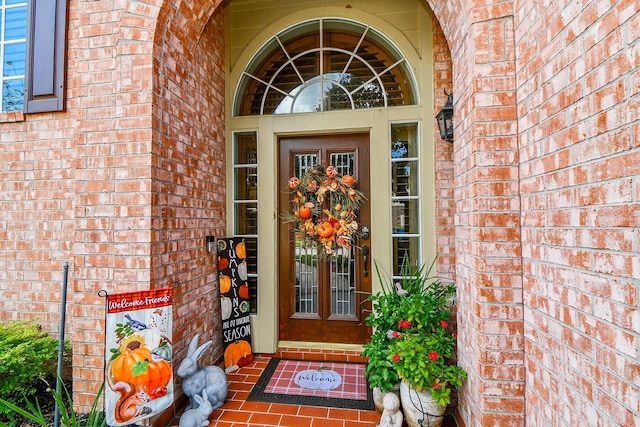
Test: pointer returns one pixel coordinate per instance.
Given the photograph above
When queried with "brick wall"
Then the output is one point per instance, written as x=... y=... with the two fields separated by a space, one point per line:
x=578 y=74
x=445 y=201
x=125 y=184
x=487 y=210
x=546 y=164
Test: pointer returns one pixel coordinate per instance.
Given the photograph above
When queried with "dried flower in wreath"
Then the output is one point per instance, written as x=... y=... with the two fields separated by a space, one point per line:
x=325 y=208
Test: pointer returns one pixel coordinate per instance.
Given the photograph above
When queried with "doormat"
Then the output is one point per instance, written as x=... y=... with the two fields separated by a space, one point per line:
x=314 y=383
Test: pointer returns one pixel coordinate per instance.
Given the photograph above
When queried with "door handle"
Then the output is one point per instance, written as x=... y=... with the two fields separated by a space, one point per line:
x=365 y=257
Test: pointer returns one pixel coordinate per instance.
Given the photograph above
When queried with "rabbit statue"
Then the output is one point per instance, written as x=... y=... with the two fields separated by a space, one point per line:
x=195 y=380
x=197 y=416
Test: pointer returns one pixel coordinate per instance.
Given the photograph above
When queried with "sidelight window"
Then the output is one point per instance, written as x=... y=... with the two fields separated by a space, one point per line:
x=405 y=195
x=245 y=204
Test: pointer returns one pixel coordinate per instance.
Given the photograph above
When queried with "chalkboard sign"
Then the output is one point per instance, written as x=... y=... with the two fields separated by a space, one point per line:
x=234 y=302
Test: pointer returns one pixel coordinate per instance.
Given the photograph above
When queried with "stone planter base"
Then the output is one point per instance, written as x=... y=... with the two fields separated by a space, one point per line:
x=419 y=406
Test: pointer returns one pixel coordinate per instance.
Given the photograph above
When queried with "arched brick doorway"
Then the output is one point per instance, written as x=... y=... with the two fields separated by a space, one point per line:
x=480 y=129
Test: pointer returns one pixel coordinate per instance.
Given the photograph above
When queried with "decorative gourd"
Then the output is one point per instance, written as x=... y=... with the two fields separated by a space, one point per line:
x=226 y=306
x=304 y=212
x=293 y=182
x=121 y=366
x=348 y=180
x=332 y=171
x=225 y=283
x=235 y=351
x=246 y=360
x=243 y=292
x=241 y=250
x=321 y=379
x=325 y=229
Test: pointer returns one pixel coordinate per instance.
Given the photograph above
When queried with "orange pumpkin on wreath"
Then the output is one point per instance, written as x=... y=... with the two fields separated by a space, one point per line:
x=325 y=230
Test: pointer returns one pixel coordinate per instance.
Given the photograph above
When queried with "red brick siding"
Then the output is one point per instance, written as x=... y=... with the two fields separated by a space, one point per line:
x=577 y=74
x=125 y=184
x=444 y=191
x=487 y=211
x=189 y=165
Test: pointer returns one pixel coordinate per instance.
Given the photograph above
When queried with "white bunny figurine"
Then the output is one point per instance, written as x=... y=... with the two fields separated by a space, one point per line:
x=197 y=417
x=211 y=379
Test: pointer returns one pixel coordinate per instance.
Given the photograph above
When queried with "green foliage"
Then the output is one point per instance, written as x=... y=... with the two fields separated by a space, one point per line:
x=27 y=354
x=68 y=417
x=424 y=360
x=388 y=309
x=410 y=340
x=379 y=371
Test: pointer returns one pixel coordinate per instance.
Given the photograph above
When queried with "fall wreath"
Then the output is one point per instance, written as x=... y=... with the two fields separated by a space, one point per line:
x=325 y=208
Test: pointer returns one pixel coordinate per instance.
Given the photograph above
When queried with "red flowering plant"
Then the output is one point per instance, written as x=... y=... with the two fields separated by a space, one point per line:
x=325 y=208
x=422 y=346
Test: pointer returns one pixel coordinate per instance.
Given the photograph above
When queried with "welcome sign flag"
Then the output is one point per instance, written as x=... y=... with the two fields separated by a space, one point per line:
x=139 y=376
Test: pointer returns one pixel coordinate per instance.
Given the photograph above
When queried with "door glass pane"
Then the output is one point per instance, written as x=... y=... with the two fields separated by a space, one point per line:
x=304 y=162
x=246 y=219
x=306 y=254
x=251 y=244
x=343 y=289
x=246 y=180
x=245 y=205
x=405 y=216
x=306 y=271
x=404 y=178
x=405 y=195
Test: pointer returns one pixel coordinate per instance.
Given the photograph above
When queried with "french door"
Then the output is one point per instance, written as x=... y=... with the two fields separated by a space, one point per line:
x=322 y=298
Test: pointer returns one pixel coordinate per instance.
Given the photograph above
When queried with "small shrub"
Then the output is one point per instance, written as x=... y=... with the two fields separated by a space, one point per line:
x=27 y=356
x=68 y=417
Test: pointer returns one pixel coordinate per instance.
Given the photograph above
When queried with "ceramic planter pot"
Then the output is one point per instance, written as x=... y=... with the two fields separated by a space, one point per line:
x=420 y=406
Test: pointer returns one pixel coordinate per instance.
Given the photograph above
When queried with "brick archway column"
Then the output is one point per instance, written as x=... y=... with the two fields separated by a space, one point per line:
x=148 y=167
x=487 y=218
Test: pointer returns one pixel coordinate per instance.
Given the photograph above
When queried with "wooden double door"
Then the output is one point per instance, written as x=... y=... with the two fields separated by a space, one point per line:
x=323 y=298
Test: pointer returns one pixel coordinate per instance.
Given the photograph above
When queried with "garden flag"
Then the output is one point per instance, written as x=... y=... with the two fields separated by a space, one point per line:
x=138 y=352
x=234 y=303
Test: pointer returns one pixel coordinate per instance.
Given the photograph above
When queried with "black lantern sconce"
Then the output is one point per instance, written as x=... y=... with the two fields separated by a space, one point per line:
x=210 y=243
x=445 y=119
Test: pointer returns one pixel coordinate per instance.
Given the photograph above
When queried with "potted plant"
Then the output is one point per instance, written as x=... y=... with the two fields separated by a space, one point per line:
x=411 y=341
x=422 y=350
x=387 y=311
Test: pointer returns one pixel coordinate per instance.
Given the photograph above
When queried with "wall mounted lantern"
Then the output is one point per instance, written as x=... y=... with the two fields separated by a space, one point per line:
x=210 y=243
x=445 y=119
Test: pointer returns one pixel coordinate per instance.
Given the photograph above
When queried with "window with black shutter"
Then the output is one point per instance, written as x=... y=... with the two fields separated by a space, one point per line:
x=46 y=46
x=32 y=55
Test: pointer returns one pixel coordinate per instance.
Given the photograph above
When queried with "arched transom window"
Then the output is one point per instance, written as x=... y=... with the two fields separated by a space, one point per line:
x=324 y=65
